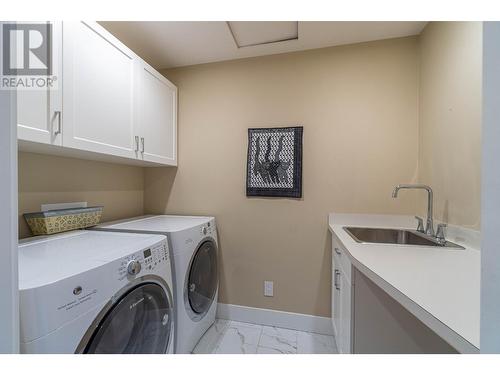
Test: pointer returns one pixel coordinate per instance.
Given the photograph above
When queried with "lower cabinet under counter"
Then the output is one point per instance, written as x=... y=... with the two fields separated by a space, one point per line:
x=342 y=287
x=383 y=326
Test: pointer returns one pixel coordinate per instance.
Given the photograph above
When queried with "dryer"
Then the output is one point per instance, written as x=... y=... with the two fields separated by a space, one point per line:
x=194 y=247
x=96 y=292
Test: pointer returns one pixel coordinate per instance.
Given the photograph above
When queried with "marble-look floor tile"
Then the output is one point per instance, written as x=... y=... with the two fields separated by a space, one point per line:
x=279 y=339
x=313 y=343
x=262 y=350
x=212 y=338
x=234 y=323
x=289 y=334
x=239 y=339
x=228 y=337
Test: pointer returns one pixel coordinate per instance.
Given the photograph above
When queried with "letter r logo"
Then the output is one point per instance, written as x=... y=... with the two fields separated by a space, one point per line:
x=27 y=49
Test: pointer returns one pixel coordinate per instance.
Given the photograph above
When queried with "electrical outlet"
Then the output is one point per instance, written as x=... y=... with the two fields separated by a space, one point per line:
x=268 y=288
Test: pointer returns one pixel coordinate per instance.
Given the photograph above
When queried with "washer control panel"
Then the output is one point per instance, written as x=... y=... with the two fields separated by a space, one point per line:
x=134 y=267
x=155 y=256
x=147 y=259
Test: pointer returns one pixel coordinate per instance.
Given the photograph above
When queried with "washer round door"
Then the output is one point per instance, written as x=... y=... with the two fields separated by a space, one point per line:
x=140 y=322
x=202 y=280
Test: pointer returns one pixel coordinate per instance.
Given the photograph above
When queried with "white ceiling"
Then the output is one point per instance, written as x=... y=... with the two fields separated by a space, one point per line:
x=171 y=44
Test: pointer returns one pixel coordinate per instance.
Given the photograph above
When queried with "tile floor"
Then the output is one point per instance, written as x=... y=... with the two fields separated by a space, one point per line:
x=231 y=337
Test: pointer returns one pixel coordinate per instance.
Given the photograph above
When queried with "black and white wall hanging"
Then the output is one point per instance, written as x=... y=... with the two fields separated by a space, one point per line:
x=274 y=162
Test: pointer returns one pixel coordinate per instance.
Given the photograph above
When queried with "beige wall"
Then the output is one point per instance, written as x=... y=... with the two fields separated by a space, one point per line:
x=450 y=119
x=51 y=179
x=358 y=105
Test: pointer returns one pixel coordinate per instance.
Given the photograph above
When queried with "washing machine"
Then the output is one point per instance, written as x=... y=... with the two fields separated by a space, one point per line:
x=96 y=292
x=194 y=247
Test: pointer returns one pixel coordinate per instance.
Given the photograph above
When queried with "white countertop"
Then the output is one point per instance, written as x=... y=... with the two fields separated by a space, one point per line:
x=440 y=286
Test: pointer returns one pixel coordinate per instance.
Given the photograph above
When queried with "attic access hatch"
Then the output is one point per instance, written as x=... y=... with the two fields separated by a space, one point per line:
x=254 y=33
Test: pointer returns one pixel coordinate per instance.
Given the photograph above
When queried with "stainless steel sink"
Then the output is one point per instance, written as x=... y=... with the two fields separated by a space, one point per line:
x=395 y=236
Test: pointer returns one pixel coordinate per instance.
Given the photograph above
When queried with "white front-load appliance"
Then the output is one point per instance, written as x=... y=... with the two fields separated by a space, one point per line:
x=96 y=292
x=193 y=241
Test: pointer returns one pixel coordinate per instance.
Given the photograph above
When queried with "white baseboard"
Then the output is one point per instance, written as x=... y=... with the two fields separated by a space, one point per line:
x=282 y=319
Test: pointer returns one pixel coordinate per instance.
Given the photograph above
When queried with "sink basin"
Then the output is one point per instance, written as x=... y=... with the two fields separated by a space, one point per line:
x=395 y=237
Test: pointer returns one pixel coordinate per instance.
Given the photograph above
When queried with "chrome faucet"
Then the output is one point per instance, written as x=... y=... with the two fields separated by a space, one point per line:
x=429 y=228
x=440 y=238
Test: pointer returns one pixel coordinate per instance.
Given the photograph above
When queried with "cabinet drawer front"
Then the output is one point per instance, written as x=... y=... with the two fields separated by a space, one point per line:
x=341 y=258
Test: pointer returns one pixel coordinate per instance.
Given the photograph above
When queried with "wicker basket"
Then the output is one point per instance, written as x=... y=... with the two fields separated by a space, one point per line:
x=56 y=221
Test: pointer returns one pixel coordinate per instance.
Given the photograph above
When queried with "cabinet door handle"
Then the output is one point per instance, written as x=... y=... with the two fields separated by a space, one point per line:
x=58 y=130
x=142 y=145
x=335 y=281
x=338 y=251
x=136 y=143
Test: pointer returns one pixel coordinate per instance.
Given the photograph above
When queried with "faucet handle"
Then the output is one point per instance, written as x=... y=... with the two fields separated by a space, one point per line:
x=420 y=226
x=440 y=237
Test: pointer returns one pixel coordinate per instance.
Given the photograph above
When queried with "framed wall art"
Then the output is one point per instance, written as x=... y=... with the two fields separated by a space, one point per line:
x=274 y=162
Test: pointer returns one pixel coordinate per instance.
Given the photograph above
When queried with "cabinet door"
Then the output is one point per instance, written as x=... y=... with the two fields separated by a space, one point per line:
x=332 y=311
x=157 y=117
x=337 y=326
x=98 y=91
x=345 y=314
x=39 y=111
x=335 y=298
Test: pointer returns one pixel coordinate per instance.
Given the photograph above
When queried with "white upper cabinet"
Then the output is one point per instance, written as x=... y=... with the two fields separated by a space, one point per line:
x=109 y=103
x=99 y=91
x=157 y=117
x=39 y=111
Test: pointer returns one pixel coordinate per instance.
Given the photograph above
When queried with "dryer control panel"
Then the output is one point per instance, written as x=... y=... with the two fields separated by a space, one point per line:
x=147 y=260
x=208 y=229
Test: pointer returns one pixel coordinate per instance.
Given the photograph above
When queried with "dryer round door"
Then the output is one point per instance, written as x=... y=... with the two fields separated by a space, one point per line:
x=141 y=322
x=202 y=280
